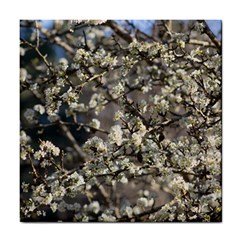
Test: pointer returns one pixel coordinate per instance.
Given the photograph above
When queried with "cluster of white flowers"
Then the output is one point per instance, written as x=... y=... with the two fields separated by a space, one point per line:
x=41 y=196
x=99 y=58
x=179 y=186
x=161 y=105
x=63 y=206
x=213 y=161
x=70 y=96
x=118 y=115
x=152 y=49
x=128 y=63
x=137 y=137
x=94 y=22
x=107 y=218
x=97 y=102
x=146 y=88
x=78 y=179
x=76 y=108
x=95 y=123
x=82 y=56
x=115 y=135
x=95 y=146
x=122 y=178
x=127 y=211
x=94 y=207
x=52 y=102
x=103 y=59
x=24 y=138
x=82 y=76
x=39 y=108
x=53 y=118
x=46 y=147
x=117 y=90
x=25 y=187
x=57 y=190
x=60 y=70
x=30 y=116
x=23 y=74
x=143 y=202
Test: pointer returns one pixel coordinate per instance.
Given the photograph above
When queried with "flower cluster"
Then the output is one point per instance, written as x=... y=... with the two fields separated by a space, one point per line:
x=115 y=135
x=95 y=145
x=52 y=102
x=100 y=58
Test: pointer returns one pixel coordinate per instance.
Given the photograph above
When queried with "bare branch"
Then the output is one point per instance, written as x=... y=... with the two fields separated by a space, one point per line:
x=211 y=35
x=37 y=32
x=119 y=31
x=73 y=141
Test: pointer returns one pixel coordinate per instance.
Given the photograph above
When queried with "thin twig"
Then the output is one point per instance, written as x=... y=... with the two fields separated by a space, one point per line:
x=85 y=41
x=57 y=40
x=44 y=58
x=73 y=141
x=37 y=33
x=36 y=174
x=62 y=160
x=104 y=193
x=55 y=165
x=119 y=31
x=168 y=26
x=77 y=124
x=91 y=79
x=200 y=43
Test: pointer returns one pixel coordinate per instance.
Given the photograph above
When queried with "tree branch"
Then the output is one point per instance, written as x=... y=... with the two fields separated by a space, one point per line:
x=73 y=141
x=211 y=35
x=119 y=31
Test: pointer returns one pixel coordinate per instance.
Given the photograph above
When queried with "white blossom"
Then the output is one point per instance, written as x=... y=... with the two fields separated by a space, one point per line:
x=118 y=115
x=94 y=22
x=95 y=123
x=94 y=207
x=136 y=210
x=117 y=90
x=29 y=114
x=129 y=211
x=63 y=64
x=179 y=186
x=136 y=139
x=123 y=179
x=23 y=75
x=115 y=135
x=24 y=138
x=25 y=186
x=39 y=108
x=94 y=101
x=48 y=199
x=70 y=96
x=53 y=118
x=107 y=218
x=142 y=202
x=95 y=143
x=181 y=217
x=54 y=207
x=79 y=180
x=48 y=146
